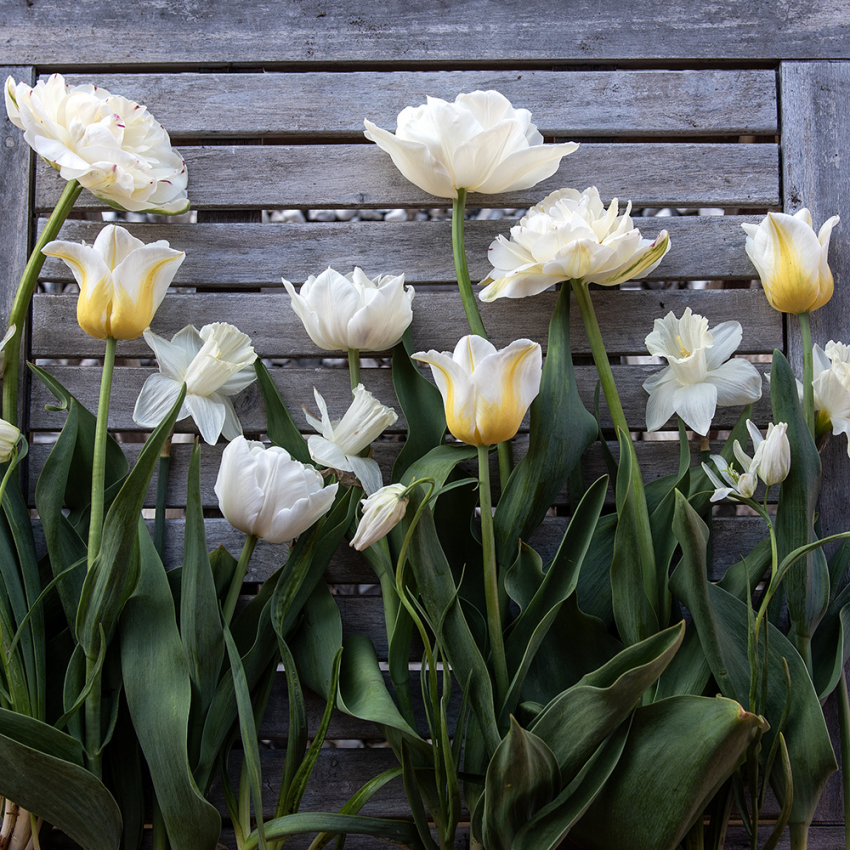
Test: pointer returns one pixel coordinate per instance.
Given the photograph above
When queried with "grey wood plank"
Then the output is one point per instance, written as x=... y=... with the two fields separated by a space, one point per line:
x=333 y=105
x=296 y=386
x=816 y=170
x=427 y=34
x=234 y=255
x=288 y=176
x=438 y=321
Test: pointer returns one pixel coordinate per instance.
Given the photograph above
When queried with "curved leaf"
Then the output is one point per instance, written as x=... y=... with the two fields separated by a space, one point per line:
x=281 y=429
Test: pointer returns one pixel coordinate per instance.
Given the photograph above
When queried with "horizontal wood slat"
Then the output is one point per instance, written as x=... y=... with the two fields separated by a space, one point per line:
x=232 y=255
x=333 y=105
x=438 y=321
x=284 y=176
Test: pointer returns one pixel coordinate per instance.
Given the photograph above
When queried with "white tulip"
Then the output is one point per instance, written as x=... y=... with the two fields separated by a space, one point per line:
x=382 y=512
x=772 y=453
x=341 y=442
x=832 y=389
x=353 y=311
x=696 y=380
x=264 y=492
x=479 y=143
x=215 y=363
x=737 y=484
x=9 y=436
x=112 y=146
x=570 y=236
x=486 y=392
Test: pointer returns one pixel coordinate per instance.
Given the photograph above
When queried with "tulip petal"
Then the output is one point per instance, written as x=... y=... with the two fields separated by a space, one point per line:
x=115 y=244
x=457 y=391
x=158 y=395
x=526 y=168
x=471 y=351
x=288 y=523
x=519 y=285
x=239 y=496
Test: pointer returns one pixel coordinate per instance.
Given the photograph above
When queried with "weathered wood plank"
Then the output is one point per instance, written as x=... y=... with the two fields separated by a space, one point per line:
x=233 y=255
x=289 y=176
x=333 y=105
x=94 y=33
x=296 y=386
x=438 y=321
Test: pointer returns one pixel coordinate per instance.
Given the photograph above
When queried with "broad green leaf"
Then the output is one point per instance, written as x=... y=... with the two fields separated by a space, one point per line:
x=525 y=576
x=679 y=753
x=594 y=581
x=561 y=429
x=37 y=735
x=281 y=429
x=159 y=694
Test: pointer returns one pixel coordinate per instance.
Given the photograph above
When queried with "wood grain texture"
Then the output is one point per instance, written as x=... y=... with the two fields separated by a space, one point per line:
x=333 y=105
x=233 y=255
x=429 y=33
x=438 y=321
x=289 y=176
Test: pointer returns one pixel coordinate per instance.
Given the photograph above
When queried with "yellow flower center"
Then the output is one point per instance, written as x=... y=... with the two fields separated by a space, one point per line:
x=682 y=350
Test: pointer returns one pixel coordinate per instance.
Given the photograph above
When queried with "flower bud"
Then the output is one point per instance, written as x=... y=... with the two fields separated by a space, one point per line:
x=382 y=511
x=9 y=436
x=772 y=458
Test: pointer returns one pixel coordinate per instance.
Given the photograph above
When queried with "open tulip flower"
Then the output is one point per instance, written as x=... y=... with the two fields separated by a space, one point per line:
x=570 y=236
x=353 y=311
x=110 y=145
x=479 y=143
x=792 y=260
x=215 y=363
x=486 y=392
x=122 y=280
x=699 y=376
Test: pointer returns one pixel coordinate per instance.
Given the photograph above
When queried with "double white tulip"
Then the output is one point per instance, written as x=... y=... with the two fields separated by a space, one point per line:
x=697 y=380
x=341 y=442
x=215 y=363
x=353 y=311
x=479 y=143
x=264 y=492
x=382 y=512
x=122 y=281
x=570 y=236
x=112 y=146
x=792 y=260
x=486 y=392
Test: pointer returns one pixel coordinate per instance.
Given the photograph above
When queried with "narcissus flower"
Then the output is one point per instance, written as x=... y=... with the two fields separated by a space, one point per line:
x=382 y=512
x=486 y=392
x=122 y=280
x=479 y=143
x=791 y=260
x=264 y=492
x=215 y=363
x=696 y=380
x=570 y=236
x=112 y=146
x=341 y=312
x=341 y=442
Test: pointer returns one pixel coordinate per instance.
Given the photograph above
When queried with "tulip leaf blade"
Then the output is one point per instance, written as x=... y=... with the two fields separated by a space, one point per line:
x=280 y=426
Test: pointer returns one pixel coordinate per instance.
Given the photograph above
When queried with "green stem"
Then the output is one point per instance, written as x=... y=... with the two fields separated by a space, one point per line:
x=238 y=577
x=808 y=372
x=99 y=460
x=13 y=462
x=467 y=296
x=844 y=730
x=491 y=579
x=354 y=367
x=161 y=493
x=23 y=297
x=160 y=835
x=799 y=836
x=94 y=759
x=600 y=355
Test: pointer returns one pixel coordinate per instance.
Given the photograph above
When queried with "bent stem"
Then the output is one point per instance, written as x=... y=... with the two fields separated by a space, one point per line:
x=23 y=297
x=238 y=577
x=808 y=372
x=99 y=459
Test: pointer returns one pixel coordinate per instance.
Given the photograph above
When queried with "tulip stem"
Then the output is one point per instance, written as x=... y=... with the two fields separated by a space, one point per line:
x=467 y=296
x=161 y=494
x=491 y=579
x=808 y=372
x=23 y=297
x=844 y=730
x=354 y=367
x=239 y=577
x=98 y=476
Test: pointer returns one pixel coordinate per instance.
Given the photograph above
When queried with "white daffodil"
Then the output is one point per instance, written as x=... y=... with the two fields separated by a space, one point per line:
x=382 y=512
x=737 y=484
x=570 y=236
x=479 y=143
x=215 y=363
x=7 y=336
x=832 y=390
x=353 y=311
x=696 y=380
x=341 y=442
x=486 y=392
x=264 y=492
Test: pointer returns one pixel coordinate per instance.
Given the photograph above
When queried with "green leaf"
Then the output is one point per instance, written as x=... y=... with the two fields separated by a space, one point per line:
x=594 y=581
x=281 y=429
x=561 y=429
x=159 y=694
x=296 y=740
x=414 y=797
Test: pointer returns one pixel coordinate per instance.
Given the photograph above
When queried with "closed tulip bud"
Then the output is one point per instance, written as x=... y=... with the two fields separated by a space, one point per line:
x=791 y=260
x=352 y=311
x=479 y=143
x=122 y=281
x=9 y=436
x=486 y=392
x=772 y=458
x=382 y=512
x=264 y=492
